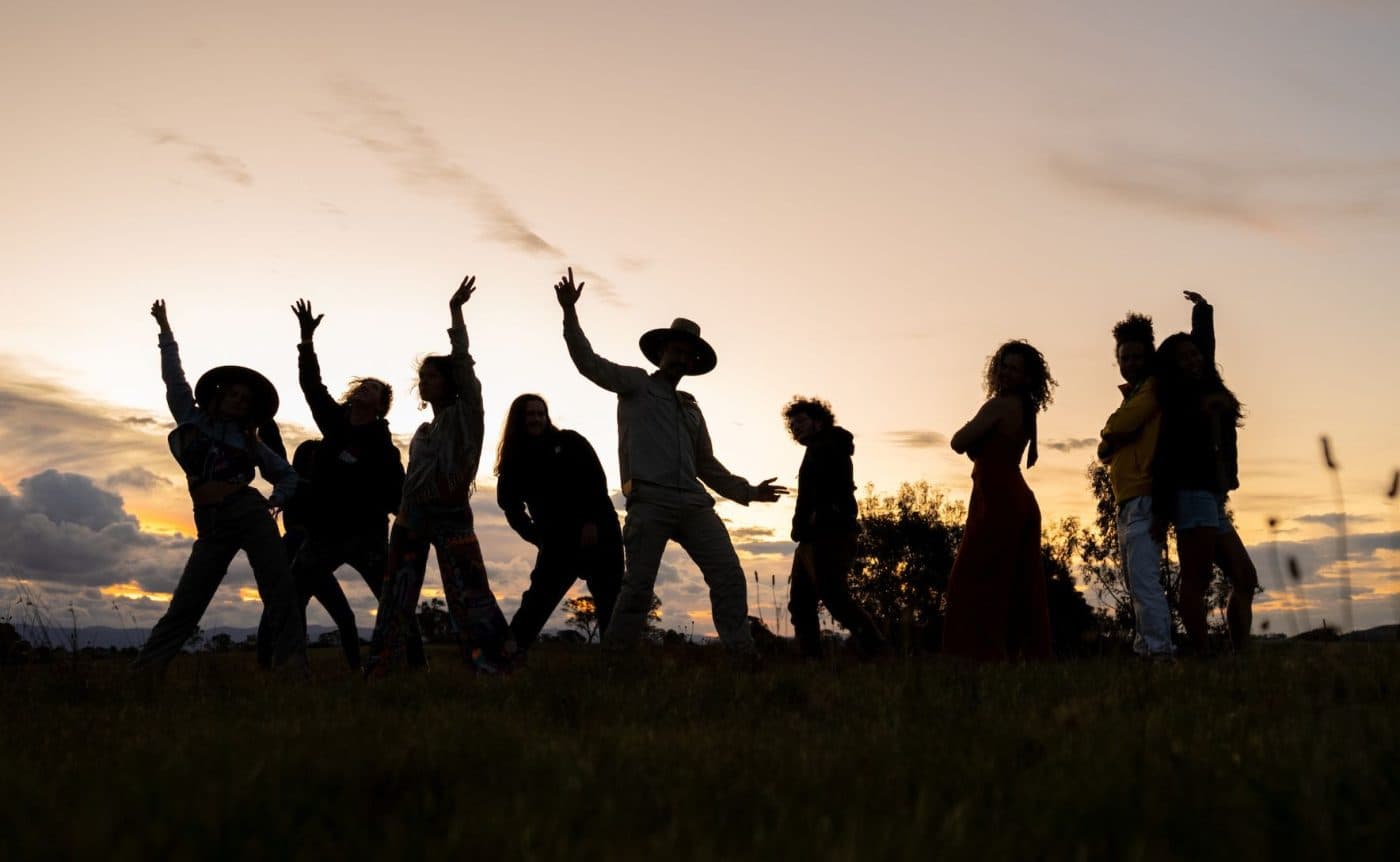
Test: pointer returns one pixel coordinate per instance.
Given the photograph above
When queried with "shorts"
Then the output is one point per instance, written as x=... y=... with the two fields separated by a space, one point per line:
x=1199 y=509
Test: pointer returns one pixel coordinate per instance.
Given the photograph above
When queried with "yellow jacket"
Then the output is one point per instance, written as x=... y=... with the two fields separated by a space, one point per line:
x=1140 y=418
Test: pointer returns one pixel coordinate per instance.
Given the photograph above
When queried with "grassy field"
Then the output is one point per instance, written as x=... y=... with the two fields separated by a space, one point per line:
x=1291 y=752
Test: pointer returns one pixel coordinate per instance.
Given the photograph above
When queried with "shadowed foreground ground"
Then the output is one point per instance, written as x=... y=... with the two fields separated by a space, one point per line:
x=1291 y=752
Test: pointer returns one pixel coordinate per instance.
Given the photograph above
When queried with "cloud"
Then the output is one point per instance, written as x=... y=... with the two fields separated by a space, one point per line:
x=137 y=477
x=918 y=439
x=45 y=425
x=1333 y=519
x=766 y=548
x=68 y=498
x=221 y=165
x=1070 y=445
x=742 y=534
x=1269 y=196
x=63 y=529
x=379 y=124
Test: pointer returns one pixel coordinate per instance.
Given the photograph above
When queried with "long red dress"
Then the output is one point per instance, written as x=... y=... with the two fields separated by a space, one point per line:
x=997 y=601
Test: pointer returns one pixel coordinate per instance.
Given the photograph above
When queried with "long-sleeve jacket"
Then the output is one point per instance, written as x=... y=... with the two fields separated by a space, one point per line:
x=444 y=453
x=826 y=499
x=561 y=483
x=1138 y=417
x=212 y=449
x=661 y=434
x=356 y=476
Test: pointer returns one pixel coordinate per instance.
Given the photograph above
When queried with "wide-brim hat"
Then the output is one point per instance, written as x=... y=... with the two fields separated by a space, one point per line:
x=265 y=400
x=654 y=342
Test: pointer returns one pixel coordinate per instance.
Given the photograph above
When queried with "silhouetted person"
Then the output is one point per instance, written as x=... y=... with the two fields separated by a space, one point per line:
x=355 y=482
x=997 y=605
x=555 y=495
x=1195 y=468
x=825 y=527
x=215 y=441
x=664 y=452
x=435 y=511
x=325 y=590
x=1128 y=444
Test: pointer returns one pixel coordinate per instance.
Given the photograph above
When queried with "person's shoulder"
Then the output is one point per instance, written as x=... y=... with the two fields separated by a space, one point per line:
x=1004 y=405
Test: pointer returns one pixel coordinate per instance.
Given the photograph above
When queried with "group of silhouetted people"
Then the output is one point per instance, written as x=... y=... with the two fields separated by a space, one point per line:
x=1171 y=447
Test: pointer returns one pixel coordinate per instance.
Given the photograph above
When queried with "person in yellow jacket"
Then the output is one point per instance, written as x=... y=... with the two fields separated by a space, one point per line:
x=1127 y=444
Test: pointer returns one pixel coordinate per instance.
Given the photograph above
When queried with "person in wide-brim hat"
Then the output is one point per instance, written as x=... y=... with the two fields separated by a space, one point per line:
x=215 y=442
x=216 y=381
x=702 y=360
x=666 y=461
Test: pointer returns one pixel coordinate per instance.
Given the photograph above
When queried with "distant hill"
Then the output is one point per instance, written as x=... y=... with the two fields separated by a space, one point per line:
x=105 y=637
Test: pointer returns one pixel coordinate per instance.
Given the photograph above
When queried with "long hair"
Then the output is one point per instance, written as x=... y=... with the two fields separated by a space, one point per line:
x=513 y=433
x=443 y=366
x=1178 y=392
x=1035 y=396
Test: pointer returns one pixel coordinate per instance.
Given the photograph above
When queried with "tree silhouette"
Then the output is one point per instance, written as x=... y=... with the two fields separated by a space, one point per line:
x=905 y=553
x=581 y=614
x=434 y=622
x=903 y=556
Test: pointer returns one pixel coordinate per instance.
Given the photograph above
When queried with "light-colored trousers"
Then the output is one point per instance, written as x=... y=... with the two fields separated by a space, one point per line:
x=691 y=521
x=1141 y=561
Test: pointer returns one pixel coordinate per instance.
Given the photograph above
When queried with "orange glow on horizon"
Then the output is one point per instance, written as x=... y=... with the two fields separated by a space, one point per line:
x=132 y=590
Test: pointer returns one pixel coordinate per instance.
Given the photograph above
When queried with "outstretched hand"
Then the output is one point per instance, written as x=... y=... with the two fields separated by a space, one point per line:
x=1196 y=298
x=158 y=312
x=302 y=309
x=463 y=293
x=566 y=292
x=767 y=492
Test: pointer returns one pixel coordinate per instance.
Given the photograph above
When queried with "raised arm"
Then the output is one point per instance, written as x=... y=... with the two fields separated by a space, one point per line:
x=178 y=394
x=464 y=372
x=324 y=408
x=621 y=379
x=1202 y=325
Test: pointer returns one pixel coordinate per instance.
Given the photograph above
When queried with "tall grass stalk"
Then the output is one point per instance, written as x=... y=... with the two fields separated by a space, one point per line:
x=1344 y=562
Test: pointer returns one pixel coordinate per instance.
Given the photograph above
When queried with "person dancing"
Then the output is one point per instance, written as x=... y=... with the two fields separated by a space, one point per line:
x=554 y=493
x=435 y=512
x=216 y=442
x=997 y=605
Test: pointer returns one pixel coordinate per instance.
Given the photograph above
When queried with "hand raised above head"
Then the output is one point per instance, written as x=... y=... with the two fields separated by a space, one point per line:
x=308 y=322
x=567 y=292
x=767 y=492
x=1196 y=298
x=464 y=292
x=158 y=312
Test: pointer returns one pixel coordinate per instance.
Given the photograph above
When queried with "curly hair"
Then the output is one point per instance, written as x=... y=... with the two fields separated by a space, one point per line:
x=386 y=397
x=815 y=408
x=1039 y=382
x=1135 y=329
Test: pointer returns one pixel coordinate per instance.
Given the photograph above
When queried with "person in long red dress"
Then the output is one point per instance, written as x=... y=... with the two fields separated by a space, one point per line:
x=997 y=606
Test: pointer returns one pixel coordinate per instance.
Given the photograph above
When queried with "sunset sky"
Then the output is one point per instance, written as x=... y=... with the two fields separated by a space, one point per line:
x=857 y=201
